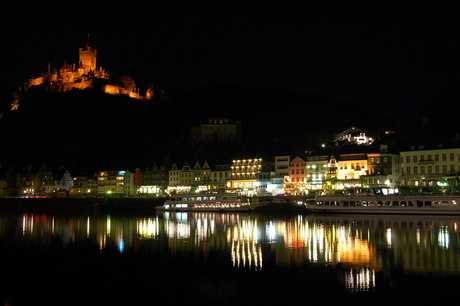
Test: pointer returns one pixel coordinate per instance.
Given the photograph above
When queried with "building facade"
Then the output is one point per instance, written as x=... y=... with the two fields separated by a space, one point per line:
x=244 y=176
x=115 y=184
x=217 y=130
x=295 y=183
x=219 y=176
x=434 y=168
x=320 y=169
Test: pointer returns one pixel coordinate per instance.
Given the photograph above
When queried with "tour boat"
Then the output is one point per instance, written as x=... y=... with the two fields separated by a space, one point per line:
x=205 y=202
x=387 y=204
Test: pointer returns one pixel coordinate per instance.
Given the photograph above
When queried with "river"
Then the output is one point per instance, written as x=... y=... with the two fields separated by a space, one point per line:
x=104 y=258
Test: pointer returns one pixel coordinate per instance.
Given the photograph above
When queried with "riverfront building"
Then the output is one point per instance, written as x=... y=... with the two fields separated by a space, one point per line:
x=244 y=176
x=434 y=167
x=115 y=183
x=348 y=163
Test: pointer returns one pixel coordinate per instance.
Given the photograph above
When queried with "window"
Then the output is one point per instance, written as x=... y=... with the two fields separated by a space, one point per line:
x=451 y=156
x=444 y=157
x=415 y=158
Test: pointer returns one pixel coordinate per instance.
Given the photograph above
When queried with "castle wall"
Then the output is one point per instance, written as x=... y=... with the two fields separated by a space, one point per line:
x=79 y=85
x=70 y=77
x=36 y=81
x=111 y=89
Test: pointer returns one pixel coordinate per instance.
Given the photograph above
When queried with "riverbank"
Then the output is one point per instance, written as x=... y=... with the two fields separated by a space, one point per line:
x=92 y=204
x=115 y=204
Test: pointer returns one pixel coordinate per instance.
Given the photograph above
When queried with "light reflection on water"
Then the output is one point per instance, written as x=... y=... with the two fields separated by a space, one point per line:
x=367 y=254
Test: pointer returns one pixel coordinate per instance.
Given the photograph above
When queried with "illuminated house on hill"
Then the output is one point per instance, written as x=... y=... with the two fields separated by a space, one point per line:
x=354 y=135
x=82 y=76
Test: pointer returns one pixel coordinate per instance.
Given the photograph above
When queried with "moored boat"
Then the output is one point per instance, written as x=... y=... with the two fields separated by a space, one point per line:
x=205 y=202
x=387 y=204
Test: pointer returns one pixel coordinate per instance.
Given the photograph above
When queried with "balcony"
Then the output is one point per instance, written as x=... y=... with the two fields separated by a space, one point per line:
x=426 y=162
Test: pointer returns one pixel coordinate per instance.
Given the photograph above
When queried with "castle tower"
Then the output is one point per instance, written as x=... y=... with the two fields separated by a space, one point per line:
x=88 y=58
x=150 y=93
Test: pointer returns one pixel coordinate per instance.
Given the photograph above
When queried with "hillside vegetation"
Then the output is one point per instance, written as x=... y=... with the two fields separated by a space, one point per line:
x=91 y=130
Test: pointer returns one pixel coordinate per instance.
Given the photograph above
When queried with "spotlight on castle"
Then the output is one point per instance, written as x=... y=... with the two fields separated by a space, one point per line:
x=82 y=76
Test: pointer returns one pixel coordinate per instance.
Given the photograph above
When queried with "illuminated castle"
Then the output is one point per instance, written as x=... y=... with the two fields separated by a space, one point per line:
x=85 y=75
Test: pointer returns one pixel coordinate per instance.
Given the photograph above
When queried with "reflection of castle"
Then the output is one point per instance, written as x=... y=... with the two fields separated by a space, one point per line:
x=85 y=75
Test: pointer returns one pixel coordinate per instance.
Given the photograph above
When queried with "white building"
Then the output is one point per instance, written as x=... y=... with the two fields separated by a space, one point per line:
x=435 y=167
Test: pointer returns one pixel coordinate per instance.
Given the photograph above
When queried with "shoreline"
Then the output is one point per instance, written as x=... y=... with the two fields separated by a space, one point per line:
x=80 y=204
x=113 y=205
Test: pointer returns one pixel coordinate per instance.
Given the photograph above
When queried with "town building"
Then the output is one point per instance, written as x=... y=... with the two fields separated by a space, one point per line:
x=282 y=166
x=353 y=161
x=181 y=180
x=219 y=176
x=384 y=168
x=433 y=168
x=217 y=130
x=115 y=184
x=244 y=176
x=354 y=135
x=155 y=181
x=264 y=185
x=280 y=175
x=24 y=182
x=201 y=177
x=320 y=168
x=84 y=186
x=296 y=181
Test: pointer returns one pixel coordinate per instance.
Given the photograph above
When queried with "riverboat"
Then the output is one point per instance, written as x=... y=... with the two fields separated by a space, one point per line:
x=386 y=204
x=205 y=202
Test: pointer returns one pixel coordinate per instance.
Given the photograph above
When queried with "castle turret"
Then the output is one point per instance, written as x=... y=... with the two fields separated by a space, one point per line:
x=150 y=93
x=55 y=75
x=88 y=58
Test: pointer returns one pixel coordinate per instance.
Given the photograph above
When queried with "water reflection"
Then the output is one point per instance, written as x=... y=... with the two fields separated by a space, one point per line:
x=366 y=253
x=414 y=243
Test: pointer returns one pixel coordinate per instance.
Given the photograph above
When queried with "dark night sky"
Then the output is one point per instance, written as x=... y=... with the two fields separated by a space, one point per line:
x=378 y=57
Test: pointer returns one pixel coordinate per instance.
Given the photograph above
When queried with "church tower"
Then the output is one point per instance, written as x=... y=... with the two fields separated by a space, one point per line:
x=88 y=58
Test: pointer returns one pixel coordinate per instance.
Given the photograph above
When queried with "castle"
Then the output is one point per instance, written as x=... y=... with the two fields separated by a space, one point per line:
x=85 y=75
